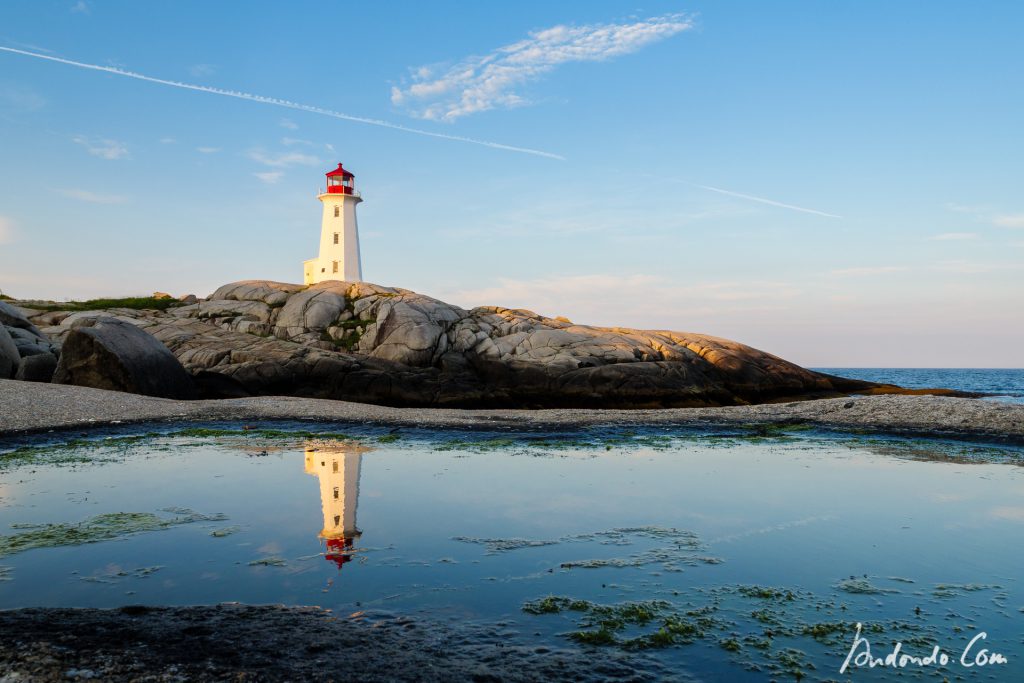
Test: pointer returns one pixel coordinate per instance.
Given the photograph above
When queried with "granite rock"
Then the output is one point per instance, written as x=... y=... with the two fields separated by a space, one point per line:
x=363 y=342
x=108 y=353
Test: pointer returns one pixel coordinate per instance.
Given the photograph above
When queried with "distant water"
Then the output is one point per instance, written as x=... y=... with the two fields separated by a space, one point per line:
x=1008 y=384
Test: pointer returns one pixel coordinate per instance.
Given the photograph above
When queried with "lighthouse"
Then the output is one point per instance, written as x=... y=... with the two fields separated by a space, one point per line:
x=337 y=468
x=339 y=233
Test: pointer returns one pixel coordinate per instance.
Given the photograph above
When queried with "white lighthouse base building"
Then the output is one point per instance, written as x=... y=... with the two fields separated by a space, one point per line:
x=339 y=257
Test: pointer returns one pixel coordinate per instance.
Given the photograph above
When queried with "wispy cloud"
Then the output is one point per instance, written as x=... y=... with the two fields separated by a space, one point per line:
x=988 y=214
x=102 y=148
x=21 y=98
x=972 y=267
x=289 y=142
x=1009 y=220
x=81 y=7
x=289 y=124
x=6 y=230
x=868 y=270
x=200 y=70
x=270 y=177
x=284 y=159
x=762 y=200
x=167 y=141
x=948 y=236
x=92 y=197
x=589 y=298
x=207 y=150
x=283 y=103
x=478 y=84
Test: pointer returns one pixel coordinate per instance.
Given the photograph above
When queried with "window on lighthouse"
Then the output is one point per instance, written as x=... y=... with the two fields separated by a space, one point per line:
x=337 y=212
x=334 y=266
x=336 y=237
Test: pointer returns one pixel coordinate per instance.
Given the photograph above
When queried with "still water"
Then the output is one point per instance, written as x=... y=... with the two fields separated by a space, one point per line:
x=725 y=556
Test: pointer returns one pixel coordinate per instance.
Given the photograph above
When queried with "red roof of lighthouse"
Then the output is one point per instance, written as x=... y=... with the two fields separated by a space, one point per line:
x=340 y=171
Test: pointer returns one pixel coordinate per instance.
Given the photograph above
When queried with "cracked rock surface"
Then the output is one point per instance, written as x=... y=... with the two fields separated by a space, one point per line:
x=358 y=341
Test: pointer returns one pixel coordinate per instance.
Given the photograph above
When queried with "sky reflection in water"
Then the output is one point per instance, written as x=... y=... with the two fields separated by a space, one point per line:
x=931 y=549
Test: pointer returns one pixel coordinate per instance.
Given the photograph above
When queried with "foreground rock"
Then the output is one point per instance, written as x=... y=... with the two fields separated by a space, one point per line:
x=107 y=353
x=362 y=342
x=273 y=643
x=28 y=408
x=21 y=340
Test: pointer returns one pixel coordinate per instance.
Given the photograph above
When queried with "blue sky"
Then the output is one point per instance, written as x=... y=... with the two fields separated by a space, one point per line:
x=837 y=183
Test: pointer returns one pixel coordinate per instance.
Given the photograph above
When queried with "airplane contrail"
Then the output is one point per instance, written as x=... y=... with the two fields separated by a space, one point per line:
x=283 y=103
x=772 y=202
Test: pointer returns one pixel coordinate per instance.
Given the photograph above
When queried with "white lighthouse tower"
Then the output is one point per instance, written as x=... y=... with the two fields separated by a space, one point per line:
x=339 y=233
x=337 y=468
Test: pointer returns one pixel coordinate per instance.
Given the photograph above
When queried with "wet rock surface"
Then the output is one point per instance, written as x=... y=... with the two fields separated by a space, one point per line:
x=362 y=342
x=274 y=643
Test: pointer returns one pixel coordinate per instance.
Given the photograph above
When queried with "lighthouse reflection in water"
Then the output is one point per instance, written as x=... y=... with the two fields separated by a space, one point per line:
x=337 y=468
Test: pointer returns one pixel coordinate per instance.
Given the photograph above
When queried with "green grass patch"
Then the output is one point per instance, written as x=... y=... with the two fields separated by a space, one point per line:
x=142 y=303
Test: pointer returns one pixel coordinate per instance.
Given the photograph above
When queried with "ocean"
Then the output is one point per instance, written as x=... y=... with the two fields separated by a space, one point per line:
x=1005 y=384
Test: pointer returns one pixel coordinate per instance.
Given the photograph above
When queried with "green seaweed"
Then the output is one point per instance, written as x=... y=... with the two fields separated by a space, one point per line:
x=950 y=590
x=117 y=575
x=72 y=452
x=502 y=545
x=291 y=434
x=766 y=593
x=861 y=586
x=105 y=527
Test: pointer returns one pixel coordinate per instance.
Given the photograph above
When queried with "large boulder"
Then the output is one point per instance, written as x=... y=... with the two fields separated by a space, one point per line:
x=107 y=353
x=37 y=368
x=9 y=356
x=19 y=340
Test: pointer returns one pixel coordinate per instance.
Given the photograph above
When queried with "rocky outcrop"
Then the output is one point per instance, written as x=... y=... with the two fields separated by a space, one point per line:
x=362 y=342
x=20 y=340
x=108 y=353
x=38 y=368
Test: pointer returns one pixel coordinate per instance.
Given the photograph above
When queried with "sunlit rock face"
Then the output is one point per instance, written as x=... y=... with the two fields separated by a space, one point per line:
x=362 y=342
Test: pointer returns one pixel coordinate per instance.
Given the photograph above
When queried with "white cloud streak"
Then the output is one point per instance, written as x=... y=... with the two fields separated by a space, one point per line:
x=207 y=150
x=92 y=197
x=102 y=148
x=762 y=200
x=284 y=103
x=478 y=84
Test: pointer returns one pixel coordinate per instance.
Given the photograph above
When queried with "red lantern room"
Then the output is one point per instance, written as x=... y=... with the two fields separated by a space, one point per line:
x=340 y=181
